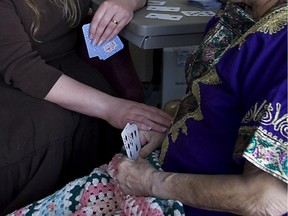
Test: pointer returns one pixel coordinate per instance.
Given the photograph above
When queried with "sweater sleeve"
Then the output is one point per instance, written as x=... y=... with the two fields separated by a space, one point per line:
x=20 y=65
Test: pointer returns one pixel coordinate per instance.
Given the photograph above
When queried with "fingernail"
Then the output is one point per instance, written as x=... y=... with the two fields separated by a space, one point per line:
x=99 y=44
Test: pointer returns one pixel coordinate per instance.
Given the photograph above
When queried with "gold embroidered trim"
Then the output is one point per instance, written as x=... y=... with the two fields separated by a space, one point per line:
x=269 y=24
x=267 y=114
x=164 y=149
x=210 y=78
x=179 y=124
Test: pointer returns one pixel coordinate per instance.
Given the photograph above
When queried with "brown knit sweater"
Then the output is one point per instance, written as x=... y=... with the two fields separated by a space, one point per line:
x=23 y=61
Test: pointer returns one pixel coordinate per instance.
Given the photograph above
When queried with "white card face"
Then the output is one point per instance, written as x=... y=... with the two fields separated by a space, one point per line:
x=163 y=16
x=163 y=8
x=198 y=13
x=159 y=3
x=131 y=139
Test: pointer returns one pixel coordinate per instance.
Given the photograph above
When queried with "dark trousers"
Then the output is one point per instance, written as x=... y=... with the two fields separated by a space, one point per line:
x=43 y=146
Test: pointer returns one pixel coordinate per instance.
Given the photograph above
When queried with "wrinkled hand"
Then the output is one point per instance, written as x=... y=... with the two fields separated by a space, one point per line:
x=135 y=177
x=109 y=19
x=150 y=141
x=121 y=112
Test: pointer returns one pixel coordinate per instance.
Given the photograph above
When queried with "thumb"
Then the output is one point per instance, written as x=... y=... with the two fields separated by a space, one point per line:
x=146 y=150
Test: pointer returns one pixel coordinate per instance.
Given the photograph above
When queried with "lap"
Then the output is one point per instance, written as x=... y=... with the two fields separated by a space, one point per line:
x=96 y=192
x=34 y=137
x=43 y=146
x=27 y=124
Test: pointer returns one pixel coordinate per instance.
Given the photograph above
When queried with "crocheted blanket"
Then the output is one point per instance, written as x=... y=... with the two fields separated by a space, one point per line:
x=97 y=194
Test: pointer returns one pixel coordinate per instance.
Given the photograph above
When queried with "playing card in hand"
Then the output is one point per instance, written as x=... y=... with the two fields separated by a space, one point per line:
x=131 y=139
x=105 y=50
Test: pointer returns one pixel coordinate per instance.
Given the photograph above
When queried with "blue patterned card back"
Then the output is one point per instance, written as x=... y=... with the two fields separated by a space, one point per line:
x=104 y=51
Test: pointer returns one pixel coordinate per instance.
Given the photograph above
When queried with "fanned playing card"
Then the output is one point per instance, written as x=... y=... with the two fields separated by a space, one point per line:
x=162 y=8
x=109 y=48
x=103 y=51
x=131 y=140
x=164 y=16
x=153 y=2
x=198 y=13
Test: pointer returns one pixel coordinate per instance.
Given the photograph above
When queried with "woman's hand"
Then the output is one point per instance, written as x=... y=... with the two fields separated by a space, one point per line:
x=84 y=99
x=111 y=17
x=119 y=112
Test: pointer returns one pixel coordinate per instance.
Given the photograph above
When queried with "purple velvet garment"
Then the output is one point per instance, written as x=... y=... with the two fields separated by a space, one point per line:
x=234 y=110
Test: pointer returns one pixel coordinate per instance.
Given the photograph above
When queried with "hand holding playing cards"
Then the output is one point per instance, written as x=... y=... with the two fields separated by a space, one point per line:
x=134 y=139
x=150 y=140
x=136 y=175
x=111 y=17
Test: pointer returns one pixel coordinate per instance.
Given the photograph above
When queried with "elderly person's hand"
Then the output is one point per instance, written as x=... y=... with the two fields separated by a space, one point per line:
x=150 y=140
x=266 y=194
x=111 y=17
x=135 y=177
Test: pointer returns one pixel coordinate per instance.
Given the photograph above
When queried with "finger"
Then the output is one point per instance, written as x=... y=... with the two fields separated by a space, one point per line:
x=114 y=32
x=158 y=111
x=121 y=23
x=142 y=126
x=105 y=25
x=144 y=137
x=151 y=126
x=158 y=116
x=143 y=122
x=159 y=128
x=154 y=117
x=101 y=23
x=97 y=17
x=112 y=29
x=146 y=150
x=154 y=123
